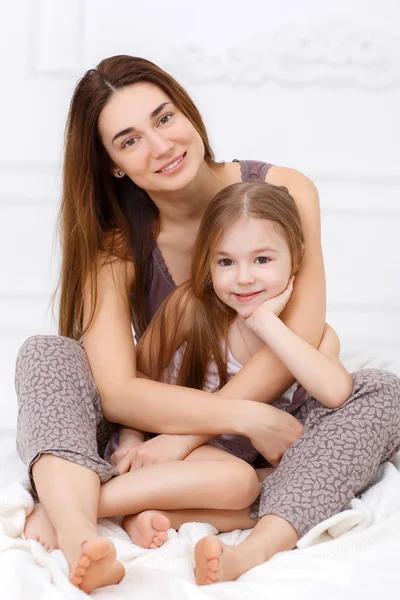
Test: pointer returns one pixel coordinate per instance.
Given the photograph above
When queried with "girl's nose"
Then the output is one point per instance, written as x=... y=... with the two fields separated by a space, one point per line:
x=245 y=276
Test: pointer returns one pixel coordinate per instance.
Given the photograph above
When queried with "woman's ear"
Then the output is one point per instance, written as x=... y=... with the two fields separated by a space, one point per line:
x=116 y=171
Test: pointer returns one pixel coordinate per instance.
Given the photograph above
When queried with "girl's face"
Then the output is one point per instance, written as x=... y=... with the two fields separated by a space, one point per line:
x=149 y=139
x=250 y=264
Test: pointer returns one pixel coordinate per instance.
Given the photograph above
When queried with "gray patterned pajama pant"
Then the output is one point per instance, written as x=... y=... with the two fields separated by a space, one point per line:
x=337 y=457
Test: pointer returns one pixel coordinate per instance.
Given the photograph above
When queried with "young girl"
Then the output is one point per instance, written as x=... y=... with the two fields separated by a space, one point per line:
x=248 y=249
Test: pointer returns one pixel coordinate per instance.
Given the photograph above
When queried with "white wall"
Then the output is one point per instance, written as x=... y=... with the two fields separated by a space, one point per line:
x=309 y=84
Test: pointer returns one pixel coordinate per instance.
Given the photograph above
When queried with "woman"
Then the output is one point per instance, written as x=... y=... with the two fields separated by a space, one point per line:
x=139 y=169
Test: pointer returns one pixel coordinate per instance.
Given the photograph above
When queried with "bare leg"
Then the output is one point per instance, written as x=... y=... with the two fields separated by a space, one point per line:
x=149 y=528
x=69 y=495
x=216 y=561
x=223 y=482
x=39 y=528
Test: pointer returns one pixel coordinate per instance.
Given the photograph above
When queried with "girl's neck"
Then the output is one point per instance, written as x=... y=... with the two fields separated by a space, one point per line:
x=190 y=203
x=243 y=343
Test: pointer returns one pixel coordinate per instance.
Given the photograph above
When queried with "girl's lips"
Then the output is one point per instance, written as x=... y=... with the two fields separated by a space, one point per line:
x=246 y=297
x=176 y=168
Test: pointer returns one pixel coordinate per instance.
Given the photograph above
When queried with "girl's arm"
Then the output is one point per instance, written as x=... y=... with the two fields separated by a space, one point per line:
x=324 y=377
x=265 y=377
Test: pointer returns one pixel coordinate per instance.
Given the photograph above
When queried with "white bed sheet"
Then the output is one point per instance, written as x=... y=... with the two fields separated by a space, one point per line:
x=354 y=555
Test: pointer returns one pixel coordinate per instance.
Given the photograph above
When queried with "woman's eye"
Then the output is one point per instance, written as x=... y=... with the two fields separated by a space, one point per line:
x=129 y=143
x=225 y=262
x=262 y=260
x=165 y=119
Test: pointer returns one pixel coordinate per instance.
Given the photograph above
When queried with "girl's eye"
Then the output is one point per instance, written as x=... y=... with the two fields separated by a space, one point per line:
x=262 y=260
x=225 y=262
x=165 y=119
x=129 y=143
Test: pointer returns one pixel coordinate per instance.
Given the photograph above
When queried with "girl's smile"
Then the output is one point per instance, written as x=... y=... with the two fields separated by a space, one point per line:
x=251 y=263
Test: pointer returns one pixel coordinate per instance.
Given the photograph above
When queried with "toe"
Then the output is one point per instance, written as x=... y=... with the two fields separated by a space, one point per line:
x=162 y=536
x=157 y=542
x=84 y=562
x=213 y=564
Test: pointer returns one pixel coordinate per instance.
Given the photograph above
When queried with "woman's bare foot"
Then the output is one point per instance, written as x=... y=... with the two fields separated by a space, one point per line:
x=39 y=528
x=216 y=561
x=97 y=566
x=209 y=559
x=147 y=529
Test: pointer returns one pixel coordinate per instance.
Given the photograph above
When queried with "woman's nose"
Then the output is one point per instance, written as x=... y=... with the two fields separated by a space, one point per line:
x=160 y=146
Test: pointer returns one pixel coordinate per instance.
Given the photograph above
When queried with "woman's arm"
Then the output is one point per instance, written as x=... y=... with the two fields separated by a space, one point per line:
x=264 y=378
x=325 y=378
x=161 y=408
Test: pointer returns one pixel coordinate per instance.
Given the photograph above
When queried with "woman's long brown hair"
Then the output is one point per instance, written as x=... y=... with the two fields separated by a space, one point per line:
x=101 y=215
x=207 y=318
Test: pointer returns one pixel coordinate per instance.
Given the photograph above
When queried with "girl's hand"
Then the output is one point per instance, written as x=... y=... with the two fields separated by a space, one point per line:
x=128 y=438
x=162 y=448
x=272 y=305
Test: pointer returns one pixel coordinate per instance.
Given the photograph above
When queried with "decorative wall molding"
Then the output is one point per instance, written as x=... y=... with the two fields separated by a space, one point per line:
x=377 y=307
x=10 y=200
x=330 y=52
x=56 y=38
x=23 y=167
x=357 y=213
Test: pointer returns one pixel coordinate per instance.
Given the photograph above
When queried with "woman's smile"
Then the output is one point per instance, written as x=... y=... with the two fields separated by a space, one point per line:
x=173 y=166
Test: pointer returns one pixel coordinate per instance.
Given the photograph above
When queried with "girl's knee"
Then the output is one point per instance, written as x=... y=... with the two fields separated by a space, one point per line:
x=244 y=487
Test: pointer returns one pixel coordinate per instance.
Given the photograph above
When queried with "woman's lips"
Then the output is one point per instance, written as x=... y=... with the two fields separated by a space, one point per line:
x=246 y=297
x=179 y=163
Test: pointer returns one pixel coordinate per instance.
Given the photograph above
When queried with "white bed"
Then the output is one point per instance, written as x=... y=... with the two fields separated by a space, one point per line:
x=354 y=555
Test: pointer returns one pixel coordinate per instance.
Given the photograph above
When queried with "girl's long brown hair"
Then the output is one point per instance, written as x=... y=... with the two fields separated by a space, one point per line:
x=101 y=215
x=194 y=307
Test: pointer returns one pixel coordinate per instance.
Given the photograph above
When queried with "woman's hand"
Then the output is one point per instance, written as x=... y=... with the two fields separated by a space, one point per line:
x=128 y=438
x=272 y=431
x=162 y=448
x=273 y=305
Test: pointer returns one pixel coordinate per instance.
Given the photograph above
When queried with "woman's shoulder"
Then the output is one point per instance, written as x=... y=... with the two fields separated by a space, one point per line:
x=291 y=178
x=299 y=185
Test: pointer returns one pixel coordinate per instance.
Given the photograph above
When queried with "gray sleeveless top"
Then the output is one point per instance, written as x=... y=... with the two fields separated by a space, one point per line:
x=160 y=281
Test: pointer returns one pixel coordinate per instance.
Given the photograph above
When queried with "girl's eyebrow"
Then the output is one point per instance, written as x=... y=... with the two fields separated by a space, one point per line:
x=256 y=251
x=153 y=114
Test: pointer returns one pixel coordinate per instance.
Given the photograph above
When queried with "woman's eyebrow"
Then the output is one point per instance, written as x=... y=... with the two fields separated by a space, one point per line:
x=153 y=114
x=157 y=110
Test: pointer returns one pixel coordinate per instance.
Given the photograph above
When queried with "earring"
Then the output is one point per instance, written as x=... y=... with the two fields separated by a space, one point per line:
x=120 y=173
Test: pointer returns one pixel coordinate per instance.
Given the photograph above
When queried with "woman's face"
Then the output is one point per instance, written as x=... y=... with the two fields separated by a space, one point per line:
x=250 y=264
x=149 y=139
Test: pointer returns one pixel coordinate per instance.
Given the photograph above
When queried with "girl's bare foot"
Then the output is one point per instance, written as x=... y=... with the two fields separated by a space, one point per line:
x=97 y=566
x=39 y=528
x=147 y=529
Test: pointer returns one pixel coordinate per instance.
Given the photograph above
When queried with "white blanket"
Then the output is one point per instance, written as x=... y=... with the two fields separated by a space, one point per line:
x=354 y=555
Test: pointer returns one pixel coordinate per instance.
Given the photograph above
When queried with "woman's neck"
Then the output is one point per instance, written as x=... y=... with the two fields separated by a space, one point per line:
x=190 y=203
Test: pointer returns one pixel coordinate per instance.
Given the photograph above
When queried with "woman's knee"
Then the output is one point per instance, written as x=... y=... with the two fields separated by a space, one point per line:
x=38 y=352
x=382 y=386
